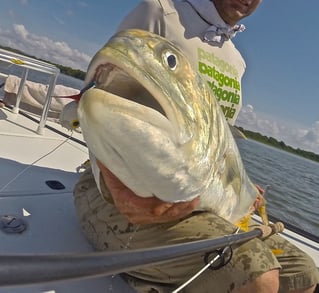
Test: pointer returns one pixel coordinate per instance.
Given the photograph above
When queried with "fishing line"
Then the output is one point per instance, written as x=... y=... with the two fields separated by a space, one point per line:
x=36 y=161
x=127 y=245
x=196 y=275
x=131 y=237
x=208 y=265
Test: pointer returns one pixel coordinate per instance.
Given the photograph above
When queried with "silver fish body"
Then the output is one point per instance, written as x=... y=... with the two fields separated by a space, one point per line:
x=153 y=121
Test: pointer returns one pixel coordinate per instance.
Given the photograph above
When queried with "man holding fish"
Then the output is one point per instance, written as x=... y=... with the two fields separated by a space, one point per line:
x=154 y=179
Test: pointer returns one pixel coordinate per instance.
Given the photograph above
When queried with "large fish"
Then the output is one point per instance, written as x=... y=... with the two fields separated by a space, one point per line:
x=153 y=121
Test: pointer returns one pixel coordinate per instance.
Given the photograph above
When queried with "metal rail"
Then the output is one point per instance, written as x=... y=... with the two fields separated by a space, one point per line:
x=30 y=63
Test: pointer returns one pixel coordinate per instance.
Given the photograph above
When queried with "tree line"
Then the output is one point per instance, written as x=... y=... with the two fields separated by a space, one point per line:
x=279 y=144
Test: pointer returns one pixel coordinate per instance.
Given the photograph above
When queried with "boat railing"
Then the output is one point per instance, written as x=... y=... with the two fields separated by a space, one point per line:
x=28 y=63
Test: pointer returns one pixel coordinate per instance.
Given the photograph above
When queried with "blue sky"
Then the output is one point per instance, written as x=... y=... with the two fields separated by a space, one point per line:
x=280 y=46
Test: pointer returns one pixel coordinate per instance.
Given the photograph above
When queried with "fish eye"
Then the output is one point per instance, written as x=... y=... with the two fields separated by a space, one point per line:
x=170 y=60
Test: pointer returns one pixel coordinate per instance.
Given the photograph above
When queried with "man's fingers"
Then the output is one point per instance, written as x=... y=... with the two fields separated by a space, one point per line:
x=141 y=210
x=182 y=208
x=161 y=208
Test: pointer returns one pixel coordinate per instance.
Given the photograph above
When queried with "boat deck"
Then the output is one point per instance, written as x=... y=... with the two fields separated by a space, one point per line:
x=27 y=161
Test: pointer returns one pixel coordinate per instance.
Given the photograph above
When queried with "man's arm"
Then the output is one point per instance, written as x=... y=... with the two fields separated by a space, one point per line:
x=147 y=15
x=141 y=210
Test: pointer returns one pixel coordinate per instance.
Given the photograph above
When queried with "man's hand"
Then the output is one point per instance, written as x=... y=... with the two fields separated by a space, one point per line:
x=141 y=210
x=260 y=205
x=260 y=200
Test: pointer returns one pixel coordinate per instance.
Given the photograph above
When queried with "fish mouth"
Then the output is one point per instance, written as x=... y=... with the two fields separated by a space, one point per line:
x=115 y=80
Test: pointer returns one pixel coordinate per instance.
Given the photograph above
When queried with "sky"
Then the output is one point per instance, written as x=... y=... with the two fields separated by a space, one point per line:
x=280 y=47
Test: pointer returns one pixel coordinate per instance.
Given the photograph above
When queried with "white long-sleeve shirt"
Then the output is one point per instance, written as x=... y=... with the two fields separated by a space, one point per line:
x=177 y=20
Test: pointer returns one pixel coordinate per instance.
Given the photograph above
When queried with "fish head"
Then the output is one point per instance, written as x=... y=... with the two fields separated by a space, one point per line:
x=151 y=71
x=148 y=118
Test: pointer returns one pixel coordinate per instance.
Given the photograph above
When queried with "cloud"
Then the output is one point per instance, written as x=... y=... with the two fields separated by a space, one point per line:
x=247 y=116
x=58 y=20
x=293 y=134
x=12 y=13
x=82 y=4
x=70 y=13
x=310 y=137
x=20 y=31
x=42 y=47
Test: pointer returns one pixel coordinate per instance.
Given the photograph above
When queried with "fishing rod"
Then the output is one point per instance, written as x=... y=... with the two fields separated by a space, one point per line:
x=23 y=269
x=290 y=226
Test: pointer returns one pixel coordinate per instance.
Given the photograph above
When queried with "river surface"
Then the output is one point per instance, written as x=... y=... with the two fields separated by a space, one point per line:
x=293 y=196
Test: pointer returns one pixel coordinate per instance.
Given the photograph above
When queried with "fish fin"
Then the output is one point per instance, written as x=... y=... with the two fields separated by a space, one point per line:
x=231 y=175
x=83 y=166
x=277 y=251
x=262 y=210
x=236 y=132
x=243 y=223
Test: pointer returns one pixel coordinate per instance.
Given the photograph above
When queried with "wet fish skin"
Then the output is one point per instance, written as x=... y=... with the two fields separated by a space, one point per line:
x=181 y=149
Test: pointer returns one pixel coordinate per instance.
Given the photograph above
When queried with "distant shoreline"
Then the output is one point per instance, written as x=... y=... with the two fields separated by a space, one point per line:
x=279 y=144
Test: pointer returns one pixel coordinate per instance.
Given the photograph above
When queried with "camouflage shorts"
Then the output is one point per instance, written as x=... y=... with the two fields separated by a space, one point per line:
x=107 y=229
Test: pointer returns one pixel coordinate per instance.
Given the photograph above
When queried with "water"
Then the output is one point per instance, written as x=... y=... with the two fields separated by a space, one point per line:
x=294 y=193
x=293 y=196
